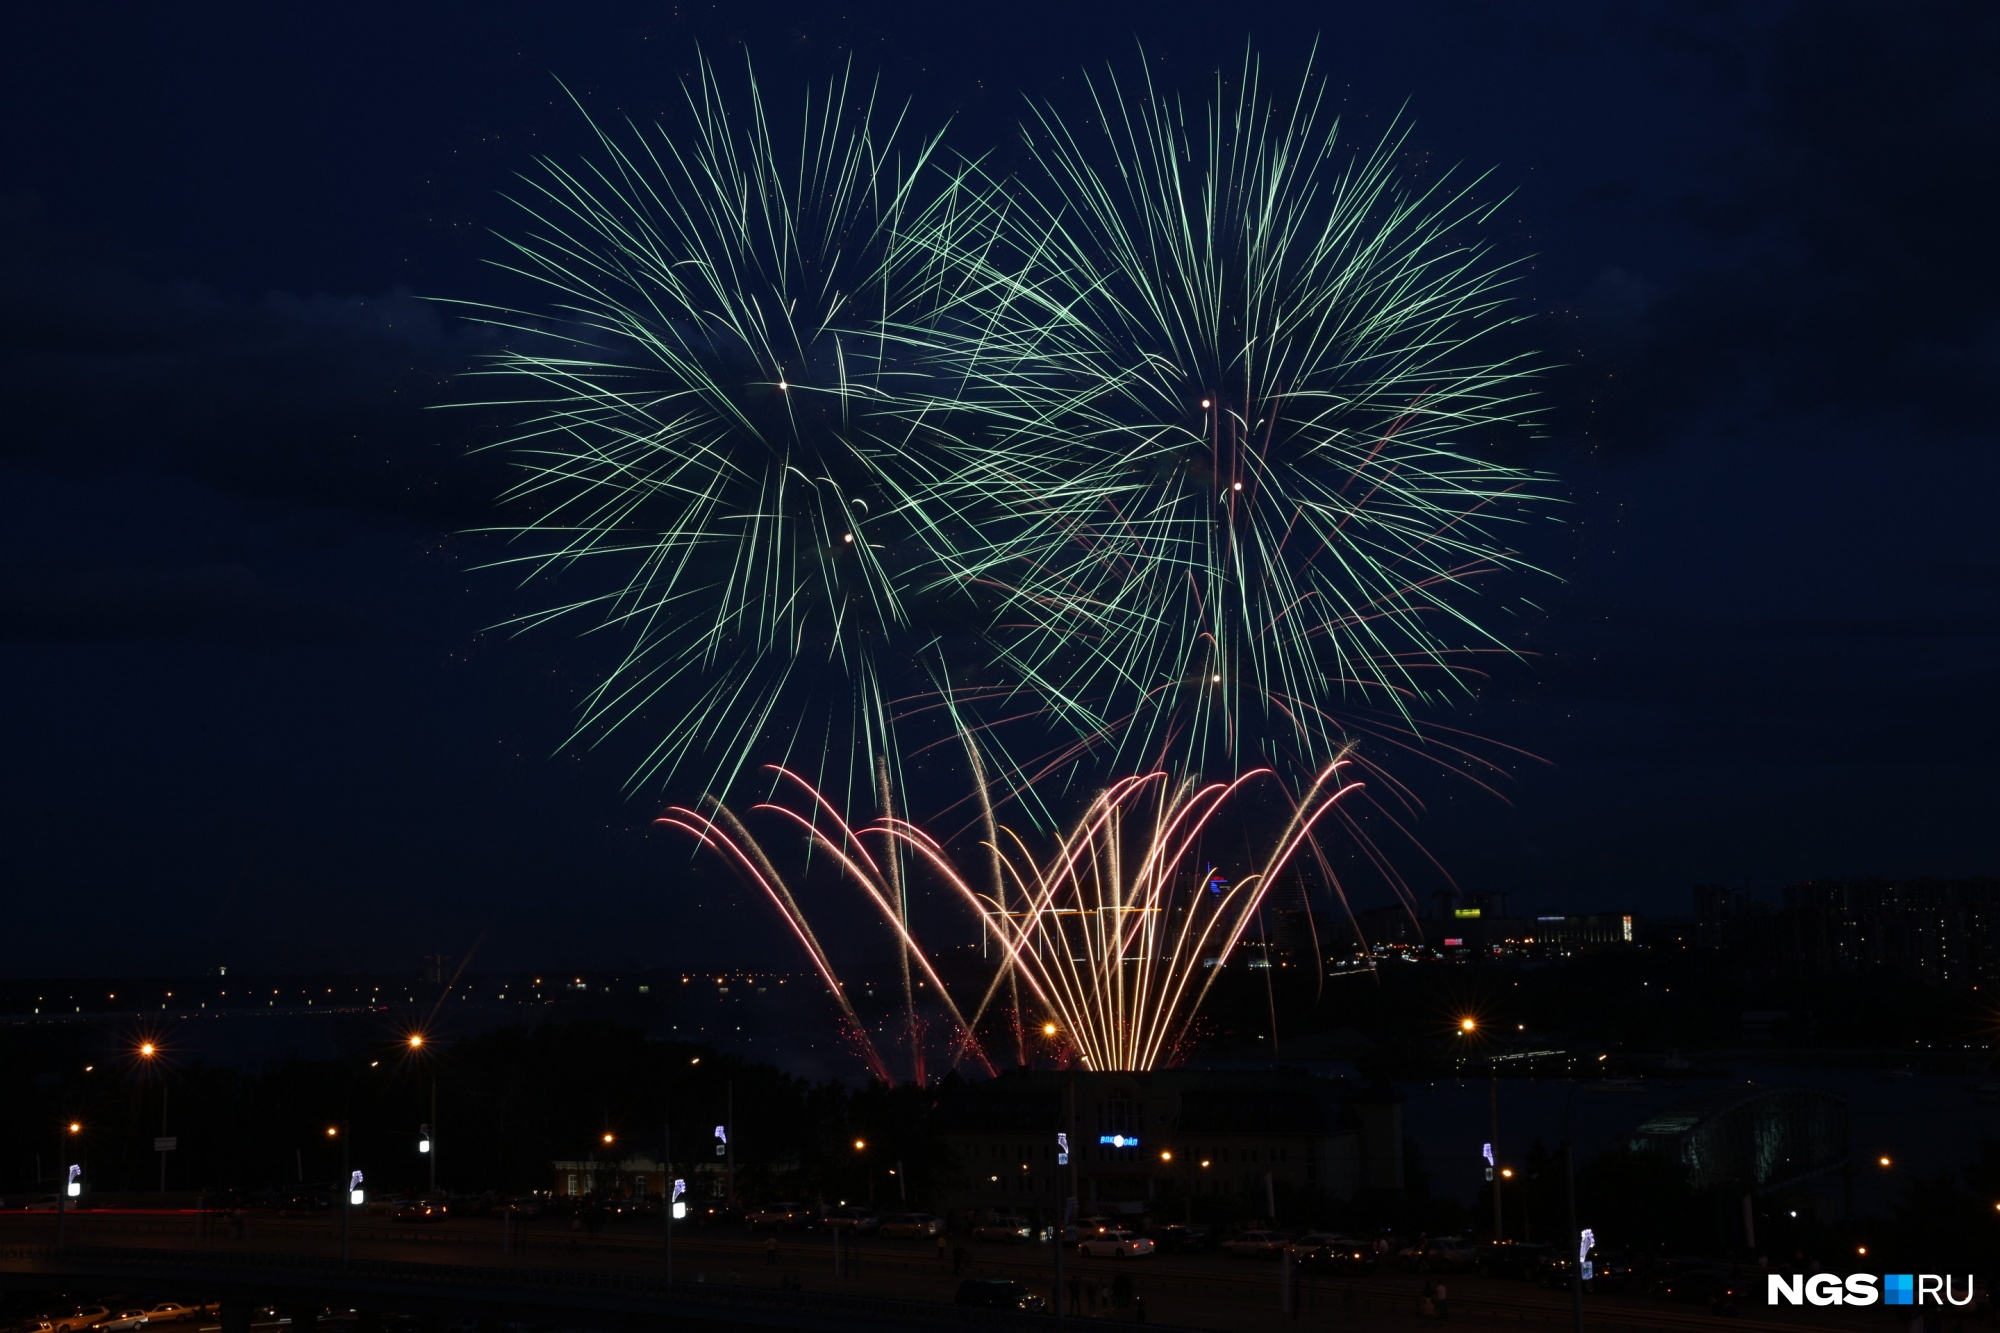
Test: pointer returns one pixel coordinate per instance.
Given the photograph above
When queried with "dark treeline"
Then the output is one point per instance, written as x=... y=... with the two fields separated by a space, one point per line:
x=509 y=1103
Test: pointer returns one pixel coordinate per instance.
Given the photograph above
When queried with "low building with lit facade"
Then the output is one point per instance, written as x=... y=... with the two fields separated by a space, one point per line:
x=1135 y=1138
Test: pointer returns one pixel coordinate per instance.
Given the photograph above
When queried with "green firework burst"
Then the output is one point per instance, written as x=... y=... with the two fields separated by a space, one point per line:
x=1232 y=383
x=716 y=420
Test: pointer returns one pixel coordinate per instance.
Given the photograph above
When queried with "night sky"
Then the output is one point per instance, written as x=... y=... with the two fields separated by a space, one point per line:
x=254 y=711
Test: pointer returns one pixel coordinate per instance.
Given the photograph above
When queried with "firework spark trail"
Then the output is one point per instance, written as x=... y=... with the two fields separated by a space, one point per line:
x=1233 y=377
x=1088 y=928
x=717 y=445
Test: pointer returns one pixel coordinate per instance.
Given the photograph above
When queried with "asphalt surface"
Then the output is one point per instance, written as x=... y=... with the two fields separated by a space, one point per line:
x=1201 y=1290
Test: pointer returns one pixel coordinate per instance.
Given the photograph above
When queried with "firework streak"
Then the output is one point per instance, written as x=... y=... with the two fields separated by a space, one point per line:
x=1109 y=932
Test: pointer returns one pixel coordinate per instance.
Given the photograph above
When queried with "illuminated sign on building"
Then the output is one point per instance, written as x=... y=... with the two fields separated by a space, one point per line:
x=1119 y=1140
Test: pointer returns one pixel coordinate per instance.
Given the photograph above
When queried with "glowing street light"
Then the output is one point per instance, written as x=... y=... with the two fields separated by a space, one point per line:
x=860 y=1145
x=1883 y=1161
x=423 y=1138
x=1468 y=1024
x=1049 y=1029
x=608 y=1137
x=148 y=1050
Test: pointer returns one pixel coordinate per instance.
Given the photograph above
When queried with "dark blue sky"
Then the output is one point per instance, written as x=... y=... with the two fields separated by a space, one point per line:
x=252 y=712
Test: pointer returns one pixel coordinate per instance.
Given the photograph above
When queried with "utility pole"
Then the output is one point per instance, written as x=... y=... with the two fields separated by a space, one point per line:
x=729 y=1141
x=1493 y=1129
x=163 y=1134
x=62 y=1185
x=667 y=1199
x=434 y=1134
x=1575 y=1237
x=346 y=1192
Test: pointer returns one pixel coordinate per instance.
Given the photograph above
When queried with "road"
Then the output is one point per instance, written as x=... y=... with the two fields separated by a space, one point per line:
x=1197 y=1291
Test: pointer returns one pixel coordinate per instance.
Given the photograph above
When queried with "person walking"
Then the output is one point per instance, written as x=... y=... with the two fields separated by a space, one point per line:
x=1427 y=1301
x=942 y=1247
x=1443 y=1309
x=771 y=1252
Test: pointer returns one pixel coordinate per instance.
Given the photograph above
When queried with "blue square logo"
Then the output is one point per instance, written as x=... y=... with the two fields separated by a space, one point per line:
x=1896 y=1289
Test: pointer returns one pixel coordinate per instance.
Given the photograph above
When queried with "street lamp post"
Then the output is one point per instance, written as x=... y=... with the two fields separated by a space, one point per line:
x=150 y=1053
x=351 y=1187
x=68 y=1182
x=427 y=1145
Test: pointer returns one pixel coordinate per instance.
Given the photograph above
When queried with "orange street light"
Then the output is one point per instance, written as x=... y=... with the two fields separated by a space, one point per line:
x=1506 y=1173
x=416 y=1041
x=1048 y=1029
x=1883 y=1161
x=1468 y=1024
x=75 y=1128
x=147 y=1049
x=333 y=1131
x=608 y=1138
x=1166 y=1154
x=860 y=1145
x=1204 y=1164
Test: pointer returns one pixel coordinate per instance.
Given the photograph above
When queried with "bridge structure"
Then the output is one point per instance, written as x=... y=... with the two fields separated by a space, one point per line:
x=1752 y=1140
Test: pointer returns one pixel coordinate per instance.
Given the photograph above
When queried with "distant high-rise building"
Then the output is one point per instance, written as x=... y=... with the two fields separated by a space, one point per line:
x=1945 y=932
x=437 y=968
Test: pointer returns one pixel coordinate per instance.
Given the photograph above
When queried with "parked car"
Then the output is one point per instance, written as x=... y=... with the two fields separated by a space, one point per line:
x=1174 y=1238
x=171 y=1312
x=1439 y=1254
x=1256 y=1244
x=1510 y=1258
x=997 y=1293
x=1687 y=1281
x=1115 y=1244
x=88 y=1316
x=779 y=1217
x=855 y=1221
x=712 y=1214
x=124 y=1321
x=911 y=1226
x=1330 y=1252
x=1610 y=1271
x=415 y=1211
x=48 y=1203
x=1012 y=1229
